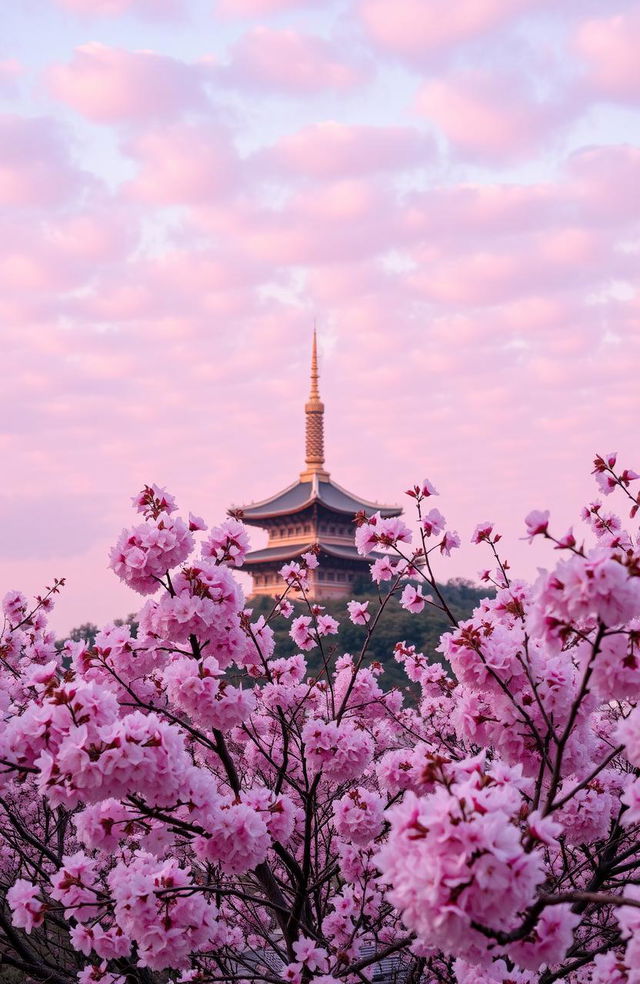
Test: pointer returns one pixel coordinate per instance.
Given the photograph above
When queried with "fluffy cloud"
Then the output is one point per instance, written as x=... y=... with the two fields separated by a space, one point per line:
x=288 y=61
x=610 y=47
x=41 y=260
x=35 y=165
x=336 y=222
x=183 y=163
x=330 y=150
x=490 y=116
x=558 y=260
x=420 y=28
x=605 y=183
x=139 y=321
x=111 y=85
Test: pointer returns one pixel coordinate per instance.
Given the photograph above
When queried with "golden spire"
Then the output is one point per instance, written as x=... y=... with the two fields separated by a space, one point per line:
x=314 y=425
x=315 y=393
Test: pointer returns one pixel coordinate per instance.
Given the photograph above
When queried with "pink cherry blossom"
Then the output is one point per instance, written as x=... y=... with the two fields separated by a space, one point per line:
x=552 y=937
x=433 y=523
x=382 y=569
x=14 y=606
x=196 y=523
x=359 y=816
x=184 y=796
x=449 y=542
x=358 y=612
x=412 y=599
x=482 y=532
x=326 y=625
x=227 y=543
x=27 y=911
x=313 y=957
x=285 y=608
x=153 y=500
x=144 y=554
x=537 y=523
x=301 y=632
x=427 y=489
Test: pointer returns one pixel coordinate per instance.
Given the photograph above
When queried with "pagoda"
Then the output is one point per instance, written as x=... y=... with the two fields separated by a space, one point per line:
x=313 y=512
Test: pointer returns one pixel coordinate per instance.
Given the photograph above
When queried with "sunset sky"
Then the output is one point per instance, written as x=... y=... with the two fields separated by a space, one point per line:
x=450 y=188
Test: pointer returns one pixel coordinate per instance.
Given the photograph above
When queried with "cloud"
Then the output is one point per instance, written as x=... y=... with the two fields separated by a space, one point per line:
x=111 y=85
x=333 y=222
x=610 y=46
x=42 y=259
x=596 y=187
x=183 y=163
x=192 y=284
x=569 y=257
x=288 y=61
x=490 y=116
x=421 y=28
x=605 y=181
x=35 y=165
x=479 y=212
x=473 y=321
x=329 y=150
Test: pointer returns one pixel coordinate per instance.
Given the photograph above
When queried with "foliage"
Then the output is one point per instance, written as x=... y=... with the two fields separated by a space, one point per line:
x=423 y=631
x=159 y=821
x=88 y=631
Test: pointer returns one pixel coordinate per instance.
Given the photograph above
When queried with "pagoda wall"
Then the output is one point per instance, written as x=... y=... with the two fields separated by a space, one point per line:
x=333 y=578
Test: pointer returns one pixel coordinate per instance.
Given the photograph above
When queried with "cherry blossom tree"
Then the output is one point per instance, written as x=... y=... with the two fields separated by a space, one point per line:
x=186 y=805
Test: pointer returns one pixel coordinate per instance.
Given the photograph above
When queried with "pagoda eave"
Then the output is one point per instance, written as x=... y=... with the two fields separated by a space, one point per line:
x=300 y=496
x=272 y=555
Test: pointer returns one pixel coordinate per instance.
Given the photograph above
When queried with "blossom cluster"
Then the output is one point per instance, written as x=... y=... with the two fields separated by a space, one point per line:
x=179 y=797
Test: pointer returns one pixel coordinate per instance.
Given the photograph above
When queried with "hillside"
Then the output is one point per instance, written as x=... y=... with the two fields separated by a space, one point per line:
x=423 y=630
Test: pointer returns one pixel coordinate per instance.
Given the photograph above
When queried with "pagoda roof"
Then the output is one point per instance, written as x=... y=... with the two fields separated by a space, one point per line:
x=302 y=494
x=284 y=553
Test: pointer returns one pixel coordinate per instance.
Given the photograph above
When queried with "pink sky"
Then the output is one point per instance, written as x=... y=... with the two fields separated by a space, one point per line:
x=450 y=187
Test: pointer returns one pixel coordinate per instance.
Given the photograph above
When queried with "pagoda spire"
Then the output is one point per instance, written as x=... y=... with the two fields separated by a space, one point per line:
x=314 y=425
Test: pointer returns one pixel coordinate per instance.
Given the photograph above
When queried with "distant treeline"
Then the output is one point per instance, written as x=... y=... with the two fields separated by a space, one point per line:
x=422 y=630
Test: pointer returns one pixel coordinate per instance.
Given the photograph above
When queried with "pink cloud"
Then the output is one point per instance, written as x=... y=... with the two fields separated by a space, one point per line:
x=605 y=181
x=335 y=150
x=610 y=47
x=184 y=163
x=109 y=85
x=35 y=168
x=481 y=211
x=125 y=356
x=417 y=28
x=96 y=235
x=597 y=185
x=488 y=116
x=332 y=223
x=290 y=61
x=546 y=262
x=187 y=285
x=42 y=259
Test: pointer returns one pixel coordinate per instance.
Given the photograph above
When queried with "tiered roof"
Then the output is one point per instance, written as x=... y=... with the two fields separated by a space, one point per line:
x=301 y=495
x=314 y=494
